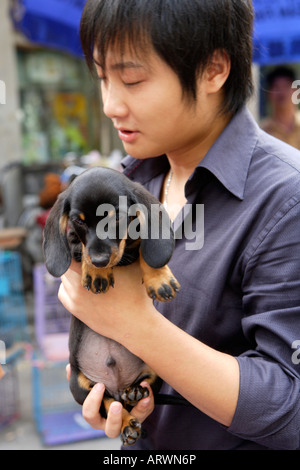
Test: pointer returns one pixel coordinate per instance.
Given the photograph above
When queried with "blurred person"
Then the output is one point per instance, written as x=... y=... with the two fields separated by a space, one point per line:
x=50 y=191
x=2 y=373
x=175 y=77
x=284 y=121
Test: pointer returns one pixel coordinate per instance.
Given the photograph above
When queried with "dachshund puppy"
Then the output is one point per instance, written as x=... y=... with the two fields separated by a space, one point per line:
x=103 y=220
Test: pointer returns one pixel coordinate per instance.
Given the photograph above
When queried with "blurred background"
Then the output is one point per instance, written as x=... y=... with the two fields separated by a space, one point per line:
x=51 y=128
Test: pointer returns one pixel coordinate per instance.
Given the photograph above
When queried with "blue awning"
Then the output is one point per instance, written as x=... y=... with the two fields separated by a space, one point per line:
x=277 y=31
x=52 y=23
x=55 y=23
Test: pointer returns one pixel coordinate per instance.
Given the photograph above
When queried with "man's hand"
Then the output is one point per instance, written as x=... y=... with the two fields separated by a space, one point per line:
x=112 y=424
x=115 y=313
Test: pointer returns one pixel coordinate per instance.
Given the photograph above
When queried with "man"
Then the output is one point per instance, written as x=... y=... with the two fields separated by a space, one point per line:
x=175 y=76
x=284 y=121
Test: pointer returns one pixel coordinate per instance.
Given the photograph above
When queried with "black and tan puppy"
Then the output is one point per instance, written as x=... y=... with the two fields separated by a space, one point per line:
x=104 y=220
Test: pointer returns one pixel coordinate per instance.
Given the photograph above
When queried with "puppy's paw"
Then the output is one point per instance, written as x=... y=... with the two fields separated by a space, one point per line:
x=163 y=292
x=97 y=280
x=132 y=395
x=131 y=432
x=161 y=284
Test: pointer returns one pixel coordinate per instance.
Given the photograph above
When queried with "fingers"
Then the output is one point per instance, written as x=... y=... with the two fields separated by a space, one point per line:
x=114 y=420
x=112 y=425
x=90 y=412
x=70 y=290
x=75 y=266
x=145 y=406
x=91 y=407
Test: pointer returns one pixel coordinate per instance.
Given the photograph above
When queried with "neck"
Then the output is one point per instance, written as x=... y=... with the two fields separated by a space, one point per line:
x=184 y=162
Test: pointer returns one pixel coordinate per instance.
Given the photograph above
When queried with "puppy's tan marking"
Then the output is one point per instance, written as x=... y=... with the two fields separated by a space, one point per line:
x=84 y=382
x=160 y=282
x=63 y=223
x=95 y=279
x=118 y=253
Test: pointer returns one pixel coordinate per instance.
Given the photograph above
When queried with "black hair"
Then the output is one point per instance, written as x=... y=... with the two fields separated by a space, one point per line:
x=184 y=33
x=280 y=71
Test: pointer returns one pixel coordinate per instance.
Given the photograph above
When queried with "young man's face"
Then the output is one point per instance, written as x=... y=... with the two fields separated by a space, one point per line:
x=144 y=99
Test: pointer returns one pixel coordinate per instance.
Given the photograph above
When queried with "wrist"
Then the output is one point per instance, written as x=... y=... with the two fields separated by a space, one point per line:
x=141 y=333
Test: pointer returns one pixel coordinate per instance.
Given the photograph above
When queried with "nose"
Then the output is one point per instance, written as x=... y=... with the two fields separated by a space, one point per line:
x=100 y=260
x=114 y=105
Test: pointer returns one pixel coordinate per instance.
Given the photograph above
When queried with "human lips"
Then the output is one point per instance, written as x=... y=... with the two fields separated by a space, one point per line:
x=127 y=135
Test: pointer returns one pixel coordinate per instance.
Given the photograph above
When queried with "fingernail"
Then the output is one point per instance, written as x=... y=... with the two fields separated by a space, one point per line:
x=115 y=408
x=145 y=402
x=99 y=388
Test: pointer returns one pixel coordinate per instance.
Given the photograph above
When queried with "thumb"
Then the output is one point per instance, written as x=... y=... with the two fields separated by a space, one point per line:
x=145 y=406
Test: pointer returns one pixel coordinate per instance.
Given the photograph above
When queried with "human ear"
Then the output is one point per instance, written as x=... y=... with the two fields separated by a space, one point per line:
x=217 y=71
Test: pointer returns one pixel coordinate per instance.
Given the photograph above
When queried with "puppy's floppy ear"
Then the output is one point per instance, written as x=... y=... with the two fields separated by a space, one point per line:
x=56 y=248
x=157 y=240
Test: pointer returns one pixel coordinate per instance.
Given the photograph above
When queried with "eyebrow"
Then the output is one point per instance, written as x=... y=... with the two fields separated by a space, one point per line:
x=122 y=65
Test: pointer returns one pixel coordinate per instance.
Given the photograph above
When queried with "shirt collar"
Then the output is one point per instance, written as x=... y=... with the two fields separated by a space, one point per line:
x=230 y=156
x=228 y=159
x=144 y=170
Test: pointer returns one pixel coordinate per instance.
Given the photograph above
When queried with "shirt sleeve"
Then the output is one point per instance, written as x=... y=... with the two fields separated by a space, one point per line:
x=268 y=409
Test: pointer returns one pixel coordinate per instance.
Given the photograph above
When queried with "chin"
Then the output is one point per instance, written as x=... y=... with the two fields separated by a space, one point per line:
x=141 y=154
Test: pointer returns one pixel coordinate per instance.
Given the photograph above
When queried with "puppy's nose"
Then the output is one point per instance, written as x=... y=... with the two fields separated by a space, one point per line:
x=101 y=260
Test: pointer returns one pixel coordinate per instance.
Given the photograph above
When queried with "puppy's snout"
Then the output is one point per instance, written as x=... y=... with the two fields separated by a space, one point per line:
x=100 y=260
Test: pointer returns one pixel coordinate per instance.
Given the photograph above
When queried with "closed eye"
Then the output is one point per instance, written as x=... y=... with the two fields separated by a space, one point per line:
x=129 y=84
x=79 y=222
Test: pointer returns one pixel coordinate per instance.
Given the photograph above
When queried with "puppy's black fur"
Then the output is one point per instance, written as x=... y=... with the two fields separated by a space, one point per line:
x=88 y=223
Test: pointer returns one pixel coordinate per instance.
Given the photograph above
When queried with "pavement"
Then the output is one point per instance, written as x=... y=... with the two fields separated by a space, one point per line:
x=22 y=433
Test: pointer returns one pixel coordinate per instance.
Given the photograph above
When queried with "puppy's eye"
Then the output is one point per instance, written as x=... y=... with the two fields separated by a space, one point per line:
x=79 y=221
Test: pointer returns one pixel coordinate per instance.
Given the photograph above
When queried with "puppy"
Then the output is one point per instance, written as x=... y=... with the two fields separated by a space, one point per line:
x=104 y=220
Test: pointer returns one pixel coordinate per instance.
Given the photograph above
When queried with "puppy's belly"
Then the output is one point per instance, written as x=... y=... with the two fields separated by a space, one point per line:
x=103 y=360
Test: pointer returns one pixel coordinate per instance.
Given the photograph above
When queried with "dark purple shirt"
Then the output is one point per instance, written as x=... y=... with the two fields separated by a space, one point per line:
x=240 y=291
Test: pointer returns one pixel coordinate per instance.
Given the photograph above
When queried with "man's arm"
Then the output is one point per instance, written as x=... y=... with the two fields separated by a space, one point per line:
x=207 y=378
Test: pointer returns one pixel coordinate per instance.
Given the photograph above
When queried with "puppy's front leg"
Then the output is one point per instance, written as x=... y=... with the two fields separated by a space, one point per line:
x=96 y=279
x=160 y=282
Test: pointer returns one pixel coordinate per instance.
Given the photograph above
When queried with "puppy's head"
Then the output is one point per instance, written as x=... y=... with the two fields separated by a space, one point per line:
x=93 y=216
